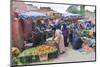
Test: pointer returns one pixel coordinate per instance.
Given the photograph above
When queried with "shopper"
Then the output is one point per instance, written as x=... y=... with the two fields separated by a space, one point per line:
x=59 y=39
x=70 y=36
x=65 y=34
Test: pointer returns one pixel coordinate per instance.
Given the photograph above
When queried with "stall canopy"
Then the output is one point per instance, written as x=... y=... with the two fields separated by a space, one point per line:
x=67 y=14
x=72 y=16
x=32 y=14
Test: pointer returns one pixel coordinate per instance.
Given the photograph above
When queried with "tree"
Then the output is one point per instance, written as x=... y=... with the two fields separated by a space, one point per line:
x=73 y=9
x=82 y=10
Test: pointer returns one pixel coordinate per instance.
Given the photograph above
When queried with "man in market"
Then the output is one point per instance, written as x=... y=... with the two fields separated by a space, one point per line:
x=43 y=28
x=36 y=37
x=88 y=24
x=29 y=42
x=49 y=27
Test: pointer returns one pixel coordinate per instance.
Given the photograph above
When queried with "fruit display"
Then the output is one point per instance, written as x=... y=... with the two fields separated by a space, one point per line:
x=26 y=56
x=87 y=33
x=15 y=51
x=44 y=49
x=34 y=54
x=91 y=33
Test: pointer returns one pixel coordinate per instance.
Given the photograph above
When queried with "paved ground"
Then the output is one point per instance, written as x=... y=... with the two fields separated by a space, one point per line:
x=71 y=56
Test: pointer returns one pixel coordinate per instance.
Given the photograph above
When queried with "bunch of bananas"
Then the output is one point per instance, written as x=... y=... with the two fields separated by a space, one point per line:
x=15 y=51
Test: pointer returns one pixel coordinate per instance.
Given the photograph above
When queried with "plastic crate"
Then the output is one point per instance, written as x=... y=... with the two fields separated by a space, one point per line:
x=53 y=55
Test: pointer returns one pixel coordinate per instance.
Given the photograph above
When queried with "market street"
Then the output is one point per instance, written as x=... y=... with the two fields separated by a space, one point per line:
x=45 y=34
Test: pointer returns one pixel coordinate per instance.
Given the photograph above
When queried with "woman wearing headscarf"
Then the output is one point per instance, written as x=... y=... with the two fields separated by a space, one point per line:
x=65 y=34
x=59 y=39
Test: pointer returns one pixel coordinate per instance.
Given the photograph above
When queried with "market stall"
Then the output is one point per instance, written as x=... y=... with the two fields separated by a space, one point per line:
x=41 y=45
x=32 y=14
x=71 y=16
x=44 y=52
x=28 y=17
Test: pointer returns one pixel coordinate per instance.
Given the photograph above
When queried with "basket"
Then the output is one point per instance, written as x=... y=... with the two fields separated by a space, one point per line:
x=29 y=59
x=25 y=59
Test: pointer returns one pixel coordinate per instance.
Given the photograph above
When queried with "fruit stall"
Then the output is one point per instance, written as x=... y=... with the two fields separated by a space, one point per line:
x=43 y=52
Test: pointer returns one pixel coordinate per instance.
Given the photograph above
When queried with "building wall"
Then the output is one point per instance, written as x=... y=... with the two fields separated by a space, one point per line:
x=19 y=6
x=16 y=28
x=17 y=39
x=91 y=16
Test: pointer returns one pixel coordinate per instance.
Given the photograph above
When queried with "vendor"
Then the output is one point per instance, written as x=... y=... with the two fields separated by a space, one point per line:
x=36 y=37
x=85 y=45
x=81 y=43
x=29 y=42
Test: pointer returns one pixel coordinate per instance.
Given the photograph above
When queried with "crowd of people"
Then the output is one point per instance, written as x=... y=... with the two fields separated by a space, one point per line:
x=63 y=32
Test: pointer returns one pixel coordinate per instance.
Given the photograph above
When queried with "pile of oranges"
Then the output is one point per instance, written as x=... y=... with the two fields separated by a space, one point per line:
x=44 y=49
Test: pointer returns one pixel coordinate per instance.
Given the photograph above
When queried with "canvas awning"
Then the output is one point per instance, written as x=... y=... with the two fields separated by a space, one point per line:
x=32 y=14
x=70 y=14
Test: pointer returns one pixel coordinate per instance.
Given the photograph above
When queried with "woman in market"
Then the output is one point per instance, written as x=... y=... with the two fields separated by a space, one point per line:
x=82 y=44
x=86 y=46
x=70 y=36
x=65 y=34
x=78 y=42
x=59 y=39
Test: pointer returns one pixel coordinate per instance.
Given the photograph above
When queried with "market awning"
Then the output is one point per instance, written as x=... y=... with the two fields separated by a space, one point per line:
x=32 y=14
x=67 y=14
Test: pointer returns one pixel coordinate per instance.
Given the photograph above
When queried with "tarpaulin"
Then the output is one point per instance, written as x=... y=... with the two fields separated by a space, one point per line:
x=32 y=14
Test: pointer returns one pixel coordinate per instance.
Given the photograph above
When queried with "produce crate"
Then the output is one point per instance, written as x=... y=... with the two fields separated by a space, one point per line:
x=43 y=57
x=25 y=59
x=36 y=59
x=53 y=55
